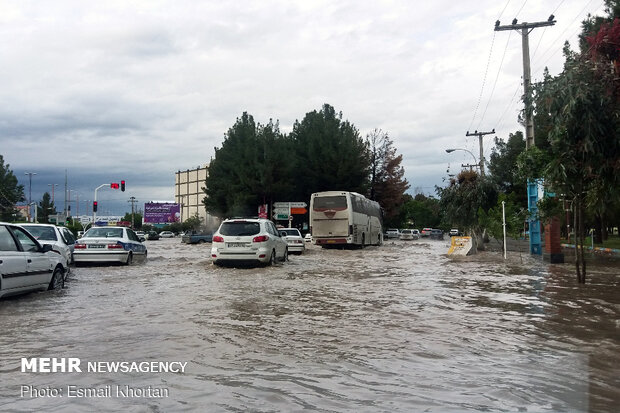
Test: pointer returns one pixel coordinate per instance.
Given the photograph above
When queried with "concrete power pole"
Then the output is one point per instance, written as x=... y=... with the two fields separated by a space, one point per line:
x=526 y=28
x=480 y=135
x=133 y=200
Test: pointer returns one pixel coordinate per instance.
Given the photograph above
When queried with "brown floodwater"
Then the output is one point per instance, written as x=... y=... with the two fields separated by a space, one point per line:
x=396 y=328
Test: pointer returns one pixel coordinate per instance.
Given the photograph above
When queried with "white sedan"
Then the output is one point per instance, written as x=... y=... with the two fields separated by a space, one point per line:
x=294 y=240
x=60 y=238
x=25 y=264
x=109 y=244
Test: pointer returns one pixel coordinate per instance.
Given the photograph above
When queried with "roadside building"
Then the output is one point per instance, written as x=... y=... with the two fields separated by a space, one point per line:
x=189 y=194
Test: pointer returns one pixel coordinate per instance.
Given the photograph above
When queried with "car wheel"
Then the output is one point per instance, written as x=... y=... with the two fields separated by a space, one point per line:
x=129 y=259
x=363 y=240
x=272 y=259
x=285 y=258
x=58 y=280
x=201 y=241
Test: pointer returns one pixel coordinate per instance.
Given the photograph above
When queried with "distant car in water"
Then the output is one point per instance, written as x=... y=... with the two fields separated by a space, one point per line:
x=454 y=232
x=109 y=244
x=152 y=236
x=166 y=234
x=308 y=237
x=406 y=235
x=293 y=238
x=426 y=232
x=436 y=234
x=141 y=235
x=392 y=233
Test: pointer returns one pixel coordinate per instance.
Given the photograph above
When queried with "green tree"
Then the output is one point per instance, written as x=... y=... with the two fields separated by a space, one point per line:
x=137 y=219
x=45 y=208
x=10 y=192
x=387 y=182
x=421 y=211
x=503 y=166
x=252 y=166
x=464 y=197
x=584 y=140
x=492 y=219
x=330 y=154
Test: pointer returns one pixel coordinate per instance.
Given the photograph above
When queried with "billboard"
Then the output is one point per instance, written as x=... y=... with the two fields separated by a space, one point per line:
x=161 y=212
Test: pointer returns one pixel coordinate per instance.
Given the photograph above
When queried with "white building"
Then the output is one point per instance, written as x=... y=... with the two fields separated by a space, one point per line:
x=189 y=193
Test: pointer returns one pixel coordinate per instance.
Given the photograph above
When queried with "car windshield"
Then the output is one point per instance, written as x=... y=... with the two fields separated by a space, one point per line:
x=290 y=232
x=240 y=228
x=104 y=233
x=406 y=231
x=42 y=233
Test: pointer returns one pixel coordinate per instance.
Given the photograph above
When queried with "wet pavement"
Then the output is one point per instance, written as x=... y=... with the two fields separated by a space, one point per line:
x=396 y=328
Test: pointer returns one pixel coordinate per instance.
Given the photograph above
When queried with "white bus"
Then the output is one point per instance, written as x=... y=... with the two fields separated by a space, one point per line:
x=345 y=218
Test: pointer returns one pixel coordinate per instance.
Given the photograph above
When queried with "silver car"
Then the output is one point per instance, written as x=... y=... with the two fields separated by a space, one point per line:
x=248 y=240
x=26 y=265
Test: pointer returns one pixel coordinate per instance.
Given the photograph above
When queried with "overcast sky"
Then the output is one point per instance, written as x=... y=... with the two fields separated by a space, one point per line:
x=137 y=90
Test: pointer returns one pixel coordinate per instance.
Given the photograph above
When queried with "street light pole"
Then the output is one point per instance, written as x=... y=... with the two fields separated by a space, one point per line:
x=30 y=191
x=470 y=152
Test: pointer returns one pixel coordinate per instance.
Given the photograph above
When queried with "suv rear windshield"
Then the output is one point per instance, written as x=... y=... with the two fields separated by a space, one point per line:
x=240 y=228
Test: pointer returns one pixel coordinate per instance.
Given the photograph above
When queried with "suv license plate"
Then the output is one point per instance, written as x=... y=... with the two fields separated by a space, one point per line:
x=236 y=244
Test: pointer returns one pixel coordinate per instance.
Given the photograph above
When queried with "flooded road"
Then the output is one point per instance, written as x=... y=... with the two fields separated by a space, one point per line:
x=396 y=328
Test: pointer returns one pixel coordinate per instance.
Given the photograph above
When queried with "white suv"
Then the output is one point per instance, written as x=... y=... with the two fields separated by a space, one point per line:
x=248 y=240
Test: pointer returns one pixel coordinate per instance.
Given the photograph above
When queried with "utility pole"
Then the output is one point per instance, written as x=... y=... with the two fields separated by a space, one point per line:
x=480 y=135
x=133 y=200
x=526 y=28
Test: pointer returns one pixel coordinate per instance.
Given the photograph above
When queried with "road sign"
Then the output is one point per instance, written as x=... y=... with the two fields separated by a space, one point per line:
x=290 y=204
x=280 y=211
x=298 y=211
x=282 y=217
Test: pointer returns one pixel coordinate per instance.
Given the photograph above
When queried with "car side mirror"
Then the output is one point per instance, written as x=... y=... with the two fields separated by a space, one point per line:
x=46 y=248
x=282 y=234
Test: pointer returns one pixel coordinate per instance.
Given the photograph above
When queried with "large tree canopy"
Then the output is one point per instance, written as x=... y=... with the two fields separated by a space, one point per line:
x=10 y=191
x=330 y=154
x=250 y=168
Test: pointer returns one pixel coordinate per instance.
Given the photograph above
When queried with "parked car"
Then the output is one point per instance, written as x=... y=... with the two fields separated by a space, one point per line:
x=27 y=265
x=436 y=234
x=152 y=236
x=408 y=235
x=251 y=240
x=426 y=232
x=293 y=239
x=109 y=244
x=166 y=234
x=308 y=237
x=60 y=238
x=392 y=233
x=454 y=232
x=141 y=235
x=416 y=233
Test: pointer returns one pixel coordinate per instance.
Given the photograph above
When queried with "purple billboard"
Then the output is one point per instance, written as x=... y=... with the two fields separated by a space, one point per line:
x=161 y=212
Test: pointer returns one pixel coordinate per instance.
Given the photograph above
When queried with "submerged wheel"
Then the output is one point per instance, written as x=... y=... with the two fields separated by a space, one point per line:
x=272 y=259
x=285 y=258
x=363 y=240
x=58 y=280
x=129 y=259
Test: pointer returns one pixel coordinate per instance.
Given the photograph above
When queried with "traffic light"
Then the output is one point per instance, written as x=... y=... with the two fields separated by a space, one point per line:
x=123 y=186
x=114 y=185
x=95 y=206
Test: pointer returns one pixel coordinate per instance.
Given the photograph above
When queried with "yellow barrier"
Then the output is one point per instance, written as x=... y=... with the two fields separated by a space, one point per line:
x=461 y=246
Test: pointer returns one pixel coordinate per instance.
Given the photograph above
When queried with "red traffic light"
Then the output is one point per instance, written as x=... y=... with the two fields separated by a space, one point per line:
x=95 y=206
x=123 y=186
x=114 y=185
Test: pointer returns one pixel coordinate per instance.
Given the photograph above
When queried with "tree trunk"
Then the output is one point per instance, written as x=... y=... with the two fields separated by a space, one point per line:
x=580 y=261
x=598 y=224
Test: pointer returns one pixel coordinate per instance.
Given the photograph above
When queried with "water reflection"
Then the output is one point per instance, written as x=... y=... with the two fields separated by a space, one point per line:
x=394 y=328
